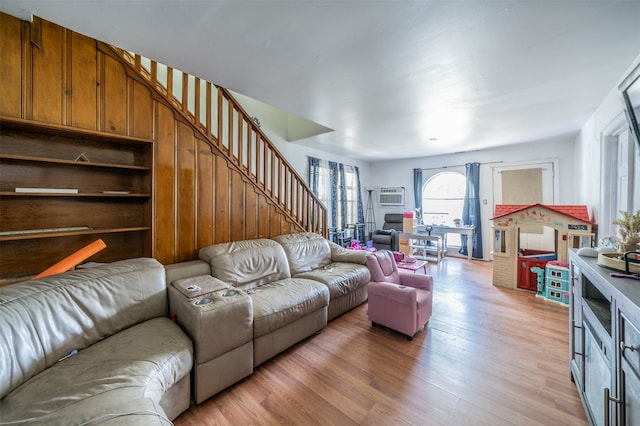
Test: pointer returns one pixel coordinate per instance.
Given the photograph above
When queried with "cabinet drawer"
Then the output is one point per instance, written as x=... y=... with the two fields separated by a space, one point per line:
x=630 y=343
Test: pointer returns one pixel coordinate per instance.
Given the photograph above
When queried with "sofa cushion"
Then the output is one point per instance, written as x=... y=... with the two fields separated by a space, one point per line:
x=45 y=319
x=139 y=363
x=305 y=251
x=283 y=302
x=247 y=264
x=340 y=277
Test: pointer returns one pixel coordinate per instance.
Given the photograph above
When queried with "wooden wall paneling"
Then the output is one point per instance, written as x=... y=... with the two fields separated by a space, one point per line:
x=82 y=84
x=48 y=75
x=10 y=66
x=114 y=96
x=274 y=221
x=250 y=212
x=198 y=196
x=286 y=227
x=187 y=202
x=263 y=217
x=140 y=110
x=27 y=70
x=165 y=197
x=221 y=189
x=206 y=178
x=237 y=213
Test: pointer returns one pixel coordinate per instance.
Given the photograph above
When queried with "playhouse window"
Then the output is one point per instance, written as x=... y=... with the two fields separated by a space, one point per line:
x=500 y=245
x=578 y=241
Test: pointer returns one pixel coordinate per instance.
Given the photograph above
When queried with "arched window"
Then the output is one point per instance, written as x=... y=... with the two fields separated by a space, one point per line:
x=442 y=201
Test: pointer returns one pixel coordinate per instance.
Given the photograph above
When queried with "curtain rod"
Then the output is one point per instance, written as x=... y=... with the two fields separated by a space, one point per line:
x=459 y=165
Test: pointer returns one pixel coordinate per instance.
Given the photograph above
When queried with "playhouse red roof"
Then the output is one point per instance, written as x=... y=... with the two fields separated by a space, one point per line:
x=576 y=212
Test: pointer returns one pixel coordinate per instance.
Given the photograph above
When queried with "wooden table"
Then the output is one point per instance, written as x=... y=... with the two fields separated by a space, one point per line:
x=413 y=266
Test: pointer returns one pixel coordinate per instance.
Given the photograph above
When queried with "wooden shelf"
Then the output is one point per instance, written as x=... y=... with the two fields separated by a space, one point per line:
x=112 y=202
x=12 y=123
x=73 y=163
x=80 y=194
x=34 y=236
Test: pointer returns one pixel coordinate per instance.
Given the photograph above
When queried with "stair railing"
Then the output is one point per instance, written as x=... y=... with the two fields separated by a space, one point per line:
x=227 y=126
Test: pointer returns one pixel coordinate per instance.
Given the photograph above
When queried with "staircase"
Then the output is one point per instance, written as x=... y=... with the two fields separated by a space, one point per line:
x=214 y=112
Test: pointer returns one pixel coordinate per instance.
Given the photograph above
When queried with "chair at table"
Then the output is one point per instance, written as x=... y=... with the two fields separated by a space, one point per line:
x=400 y=301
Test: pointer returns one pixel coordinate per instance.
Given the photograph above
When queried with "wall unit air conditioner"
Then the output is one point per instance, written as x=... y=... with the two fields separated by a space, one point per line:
x=391 y=196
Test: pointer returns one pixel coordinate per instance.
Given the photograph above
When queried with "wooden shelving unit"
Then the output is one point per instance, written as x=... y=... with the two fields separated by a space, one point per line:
x=113 y=178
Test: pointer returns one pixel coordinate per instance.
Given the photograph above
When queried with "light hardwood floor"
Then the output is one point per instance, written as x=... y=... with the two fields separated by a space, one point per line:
x=490 y=356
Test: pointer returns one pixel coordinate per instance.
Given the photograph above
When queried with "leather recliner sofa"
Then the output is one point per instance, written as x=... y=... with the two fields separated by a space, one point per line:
x=261 y=296
x=388 y=238
x=93 y=346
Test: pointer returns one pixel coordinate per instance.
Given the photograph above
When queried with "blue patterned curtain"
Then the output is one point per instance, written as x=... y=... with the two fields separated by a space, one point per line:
x=359 y=199
x=417 y=191
x=342 y=183
x=471 y=210
x=314 y=174
x=333 y=185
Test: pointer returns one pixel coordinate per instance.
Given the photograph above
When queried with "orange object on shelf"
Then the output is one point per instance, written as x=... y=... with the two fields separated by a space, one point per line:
x=73 y=259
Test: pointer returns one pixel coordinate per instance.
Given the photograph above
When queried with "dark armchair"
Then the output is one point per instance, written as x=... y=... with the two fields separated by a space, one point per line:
x=388 y=238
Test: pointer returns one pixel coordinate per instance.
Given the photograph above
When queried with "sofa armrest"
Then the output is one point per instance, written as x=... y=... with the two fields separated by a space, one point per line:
x=178 y=271
x=417 y=281
x=341 y=254
x=219 y=320
x=398 y=293
x=216 y=321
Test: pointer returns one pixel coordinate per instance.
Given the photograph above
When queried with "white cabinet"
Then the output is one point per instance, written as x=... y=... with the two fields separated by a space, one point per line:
x=604 y=342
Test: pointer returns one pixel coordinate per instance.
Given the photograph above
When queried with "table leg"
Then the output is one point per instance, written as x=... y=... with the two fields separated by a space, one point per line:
x=469 y=246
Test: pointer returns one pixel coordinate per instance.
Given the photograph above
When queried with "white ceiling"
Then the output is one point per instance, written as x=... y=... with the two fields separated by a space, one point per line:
x=394 y=79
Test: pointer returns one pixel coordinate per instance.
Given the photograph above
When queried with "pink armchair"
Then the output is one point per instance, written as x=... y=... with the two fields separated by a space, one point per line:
x=400 y=301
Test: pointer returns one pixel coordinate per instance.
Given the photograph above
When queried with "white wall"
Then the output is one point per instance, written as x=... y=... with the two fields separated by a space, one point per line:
x=274 y=122
x=400 y=173
x=579 y=165
x=589 y=146
x=296 y=154
x=592 y=149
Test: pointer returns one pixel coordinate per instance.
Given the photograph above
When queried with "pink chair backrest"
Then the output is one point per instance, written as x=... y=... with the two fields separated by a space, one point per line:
x=382 y=267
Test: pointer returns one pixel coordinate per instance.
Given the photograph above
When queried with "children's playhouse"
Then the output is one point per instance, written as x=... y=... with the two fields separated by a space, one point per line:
x=541 y=269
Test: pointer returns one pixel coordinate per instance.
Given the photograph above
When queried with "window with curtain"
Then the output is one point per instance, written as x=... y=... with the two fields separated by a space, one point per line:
x=442 y=201
x=343 y=190
x=351 y=192
x=324 y=185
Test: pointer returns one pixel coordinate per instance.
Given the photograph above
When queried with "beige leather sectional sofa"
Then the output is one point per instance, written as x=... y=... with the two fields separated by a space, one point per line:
x=246 y=301
x=98 y=346
x=93 y=346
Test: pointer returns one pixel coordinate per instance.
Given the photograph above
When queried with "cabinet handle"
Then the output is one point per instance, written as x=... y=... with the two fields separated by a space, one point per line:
x=623 y=347
x=573 y=324
x=607 y=399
